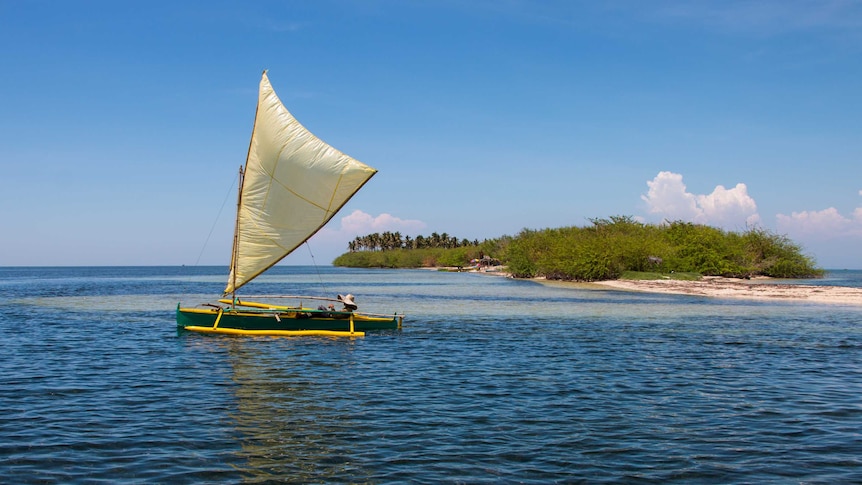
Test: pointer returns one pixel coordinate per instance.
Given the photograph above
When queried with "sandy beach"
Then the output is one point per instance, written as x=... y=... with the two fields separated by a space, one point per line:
x=756 y=289
x=718 y=287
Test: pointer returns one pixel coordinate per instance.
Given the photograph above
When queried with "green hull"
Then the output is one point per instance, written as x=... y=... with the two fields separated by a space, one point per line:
x=260 y=321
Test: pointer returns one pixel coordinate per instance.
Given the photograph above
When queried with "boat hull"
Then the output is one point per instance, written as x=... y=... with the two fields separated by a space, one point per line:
x=281 y=322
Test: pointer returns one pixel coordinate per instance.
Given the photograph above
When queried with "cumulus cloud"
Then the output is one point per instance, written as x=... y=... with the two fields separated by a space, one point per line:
x=729 y=208
x=362 y=223
x=333 y=239
x=832 y=236
x=821 y=225
x=359 y=223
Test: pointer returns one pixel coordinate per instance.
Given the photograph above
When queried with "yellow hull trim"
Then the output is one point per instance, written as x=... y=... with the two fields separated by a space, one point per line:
x=275 y=333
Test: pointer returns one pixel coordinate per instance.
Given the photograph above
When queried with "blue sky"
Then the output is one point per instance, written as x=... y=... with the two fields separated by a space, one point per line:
x=123 y=124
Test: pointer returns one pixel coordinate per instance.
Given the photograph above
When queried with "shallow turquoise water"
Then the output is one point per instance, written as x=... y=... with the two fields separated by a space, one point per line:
x=491 y=380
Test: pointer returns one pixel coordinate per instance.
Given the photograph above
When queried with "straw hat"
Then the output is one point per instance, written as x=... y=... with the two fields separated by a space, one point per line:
x=348 y=301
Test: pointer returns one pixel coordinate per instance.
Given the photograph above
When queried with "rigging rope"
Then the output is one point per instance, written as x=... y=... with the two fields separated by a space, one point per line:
x=218 y=216
x=187 y=283
x=314 y=263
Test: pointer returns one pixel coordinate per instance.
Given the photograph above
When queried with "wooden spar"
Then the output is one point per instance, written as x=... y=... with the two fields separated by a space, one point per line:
x=218 y=318
x=294 y=297
x=233 y=254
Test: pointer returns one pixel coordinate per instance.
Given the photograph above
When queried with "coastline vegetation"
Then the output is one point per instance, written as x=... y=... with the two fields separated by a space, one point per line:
x=604 y=250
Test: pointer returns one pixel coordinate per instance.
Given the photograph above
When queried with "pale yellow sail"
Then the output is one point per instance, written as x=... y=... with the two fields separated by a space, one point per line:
x=294 y=184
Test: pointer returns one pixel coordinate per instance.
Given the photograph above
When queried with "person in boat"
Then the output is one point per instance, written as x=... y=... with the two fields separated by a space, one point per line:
x=348 y=302
x=326 y=310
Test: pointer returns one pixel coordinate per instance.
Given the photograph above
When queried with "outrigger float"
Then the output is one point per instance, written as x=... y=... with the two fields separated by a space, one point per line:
x=292 y=185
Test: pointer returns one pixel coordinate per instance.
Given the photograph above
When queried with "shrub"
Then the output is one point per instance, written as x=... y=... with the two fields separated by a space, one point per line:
x=608 y=247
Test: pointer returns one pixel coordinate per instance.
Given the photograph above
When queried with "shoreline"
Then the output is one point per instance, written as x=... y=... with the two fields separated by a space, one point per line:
x=718 y=287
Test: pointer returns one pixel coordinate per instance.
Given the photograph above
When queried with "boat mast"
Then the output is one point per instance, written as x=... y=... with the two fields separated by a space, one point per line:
x=233 y=256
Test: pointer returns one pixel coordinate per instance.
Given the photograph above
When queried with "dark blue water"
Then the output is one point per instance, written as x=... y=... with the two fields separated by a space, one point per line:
x=492 y=380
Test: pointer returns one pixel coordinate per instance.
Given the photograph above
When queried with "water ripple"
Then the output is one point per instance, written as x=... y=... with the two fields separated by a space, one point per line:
x=491 y=381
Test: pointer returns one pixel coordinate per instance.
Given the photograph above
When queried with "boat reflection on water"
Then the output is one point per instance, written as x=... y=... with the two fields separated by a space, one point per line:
x=292 y=428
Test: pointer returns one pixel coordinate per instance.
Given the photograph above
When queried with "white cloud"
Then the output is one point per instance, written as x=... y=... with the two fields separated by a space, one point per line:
x=821 y=225
x=333 y=239
x=363 y=224
x=667 y=196
x=359 y=223
x=728 y=208
x=833 y=237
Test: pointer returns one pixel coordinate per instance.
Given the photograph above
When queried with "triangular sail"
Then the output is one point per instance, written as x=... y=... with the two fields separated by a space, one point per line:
x=294 y=184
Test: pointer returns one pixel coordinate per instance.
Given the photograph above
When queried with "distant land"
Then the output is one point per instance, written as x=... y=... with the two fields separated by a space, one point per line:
x=601 y=251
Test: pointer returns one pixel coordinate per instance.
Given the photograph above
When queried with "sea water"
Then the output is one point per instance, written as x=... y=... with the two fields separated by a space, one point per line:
x=491 y=380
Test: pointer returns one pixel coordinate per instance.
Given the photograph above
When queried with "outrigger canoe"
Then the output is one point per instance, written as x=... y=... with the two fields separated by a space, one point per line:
x=238 y=317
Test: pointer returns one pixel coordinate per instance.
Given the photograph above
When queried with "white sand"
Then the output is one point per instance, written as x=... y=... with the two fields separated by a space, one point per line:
x=715 y=286
x=748 y=289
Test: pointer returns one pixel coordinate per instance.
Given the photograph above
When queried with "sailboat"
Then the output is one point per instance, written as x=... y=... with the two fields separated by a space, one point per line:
x=292 y=184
